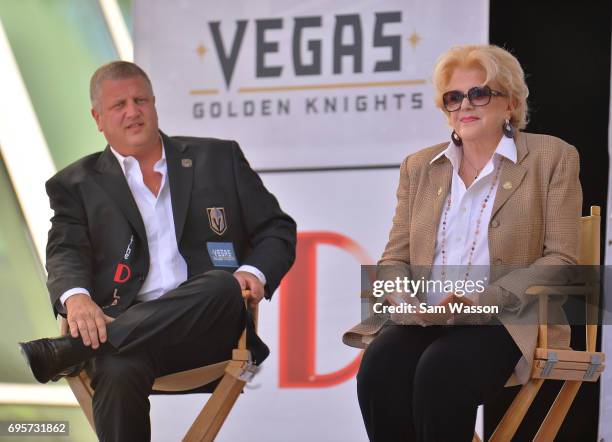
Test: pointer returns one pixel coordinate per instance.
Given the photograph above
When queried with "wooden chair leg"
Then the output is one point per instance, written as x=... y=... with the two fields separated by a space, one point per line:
x=516 y=412
x=217 y=408
x=553 y=420
x=83 y=393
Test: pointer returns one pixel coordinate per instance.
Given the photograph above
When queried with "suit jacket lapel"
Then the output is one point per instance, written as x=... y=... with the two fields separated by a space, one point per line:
x=511 y=174
x=180 y=177
x=112 y=180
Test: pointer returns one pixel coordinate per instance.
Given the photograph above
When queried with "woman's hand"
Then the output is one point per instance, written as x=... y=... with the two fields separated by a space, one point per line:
x=463 y=318
x=439 y=318
x=397 y=299
x=450 y=318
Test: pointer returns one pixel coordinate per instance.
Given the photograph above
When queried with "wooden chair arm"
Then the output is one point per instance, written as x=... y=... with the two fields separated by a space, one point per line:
x=589 y=291
x=254 y=311
x=63 y=325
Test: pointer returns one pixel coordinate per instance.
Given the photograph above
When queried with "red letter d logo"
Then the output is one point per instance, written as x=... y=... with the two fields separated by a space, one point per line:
x=120 y=276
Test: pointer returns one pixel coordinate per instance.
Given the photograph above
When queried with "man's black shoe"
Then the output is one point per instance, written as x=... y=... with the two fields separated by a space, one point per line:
x=53 y=358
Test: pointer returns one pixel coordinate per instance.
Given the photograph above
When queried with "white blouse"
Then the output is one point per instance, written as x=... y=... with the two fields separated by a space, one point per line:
x=462 y=216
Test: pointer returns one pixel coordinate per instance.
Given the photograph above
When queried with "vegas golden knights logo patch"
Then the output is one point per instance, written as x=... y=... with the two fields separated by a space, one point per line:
x=216 y=218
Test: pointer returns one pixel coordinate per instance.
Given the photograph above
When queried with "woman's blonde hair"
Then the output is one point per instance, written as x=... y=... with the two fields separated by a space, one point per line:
x=498 y=64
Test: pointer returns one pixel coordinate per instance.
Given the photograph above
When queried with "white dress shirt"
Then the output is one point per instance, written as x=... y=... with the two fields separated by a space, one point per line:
x=167 y=267
x=461 y=218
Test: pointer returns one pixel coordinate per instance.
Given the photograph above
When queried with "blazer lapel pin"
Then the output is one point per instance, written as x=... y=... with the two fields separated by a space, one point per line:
x=507 y=185
x=186 y=162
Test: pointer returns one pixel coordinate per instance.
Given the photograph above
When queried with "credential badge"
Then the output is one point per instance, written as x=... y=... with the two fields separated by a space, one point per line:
x=216 y=218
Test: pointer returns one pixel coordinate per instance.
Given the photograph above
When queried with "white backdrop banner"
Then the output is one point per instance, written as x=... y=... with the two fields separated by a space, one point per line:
x=323 y=93
x=304 y=83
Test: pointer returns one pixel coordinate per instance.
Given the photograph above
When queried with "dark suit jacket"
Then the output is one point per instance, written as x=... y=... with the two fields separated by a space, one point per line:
x=97 y=229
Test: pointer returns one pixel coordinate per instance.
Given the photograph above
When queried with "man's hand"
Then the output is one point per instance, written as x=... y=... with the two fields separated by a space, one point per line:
x=248 y=281
x=86 y=318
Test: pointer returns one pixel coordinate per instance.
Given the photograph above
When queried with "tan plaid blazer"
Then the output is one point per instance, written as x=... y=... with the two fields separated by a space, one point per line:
x=534 y=222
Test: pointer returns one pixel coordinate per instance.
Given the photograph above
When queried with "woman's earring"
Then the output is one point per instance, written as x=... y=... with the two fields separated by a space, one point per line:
x=508 y=129
x=456 y=139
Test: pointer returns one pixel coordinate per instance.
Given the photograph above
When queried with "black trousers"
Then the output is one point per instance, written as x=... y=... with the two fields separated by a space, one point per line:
x=425 y=383
x=196 y=324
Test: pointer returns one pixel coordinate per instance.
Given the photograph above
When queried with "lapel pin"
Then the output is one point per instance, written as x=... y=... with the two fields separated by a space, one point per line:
x=186 y=162
x=507 y=185
x=439 y=191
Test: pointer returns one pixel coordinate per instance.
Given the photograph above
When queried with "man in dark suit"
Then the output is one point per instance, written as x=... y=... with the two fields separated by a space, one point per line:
x=152 y=242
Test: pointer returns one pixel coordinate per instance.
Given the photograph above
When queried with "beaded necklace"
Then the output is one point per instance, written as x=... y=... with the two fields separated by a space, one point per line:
x=476 y=231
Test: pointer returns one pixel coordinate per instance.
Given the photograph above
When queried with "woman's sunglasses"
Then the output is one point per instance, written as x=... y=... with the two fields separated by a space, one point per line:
x=477 y=96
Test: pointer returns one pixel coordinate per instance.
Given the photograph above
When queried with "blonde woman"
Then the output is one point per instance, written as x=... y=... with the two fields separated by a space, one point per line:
x=494 y=196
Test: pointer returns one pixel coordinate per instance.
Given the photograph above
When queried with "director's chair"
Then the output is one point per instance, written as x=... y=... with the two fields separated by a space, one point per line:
x=234 y=374
x=572 y=366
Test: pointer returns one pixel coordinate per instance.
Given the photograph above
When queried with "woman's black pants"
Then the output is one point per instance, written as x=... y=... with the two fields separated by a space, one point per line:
x=425 y=383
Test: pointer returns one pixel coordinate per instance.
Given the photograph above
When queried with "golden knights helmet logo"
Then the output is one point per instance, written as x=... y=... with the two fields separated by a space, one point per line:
x=216 y=218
